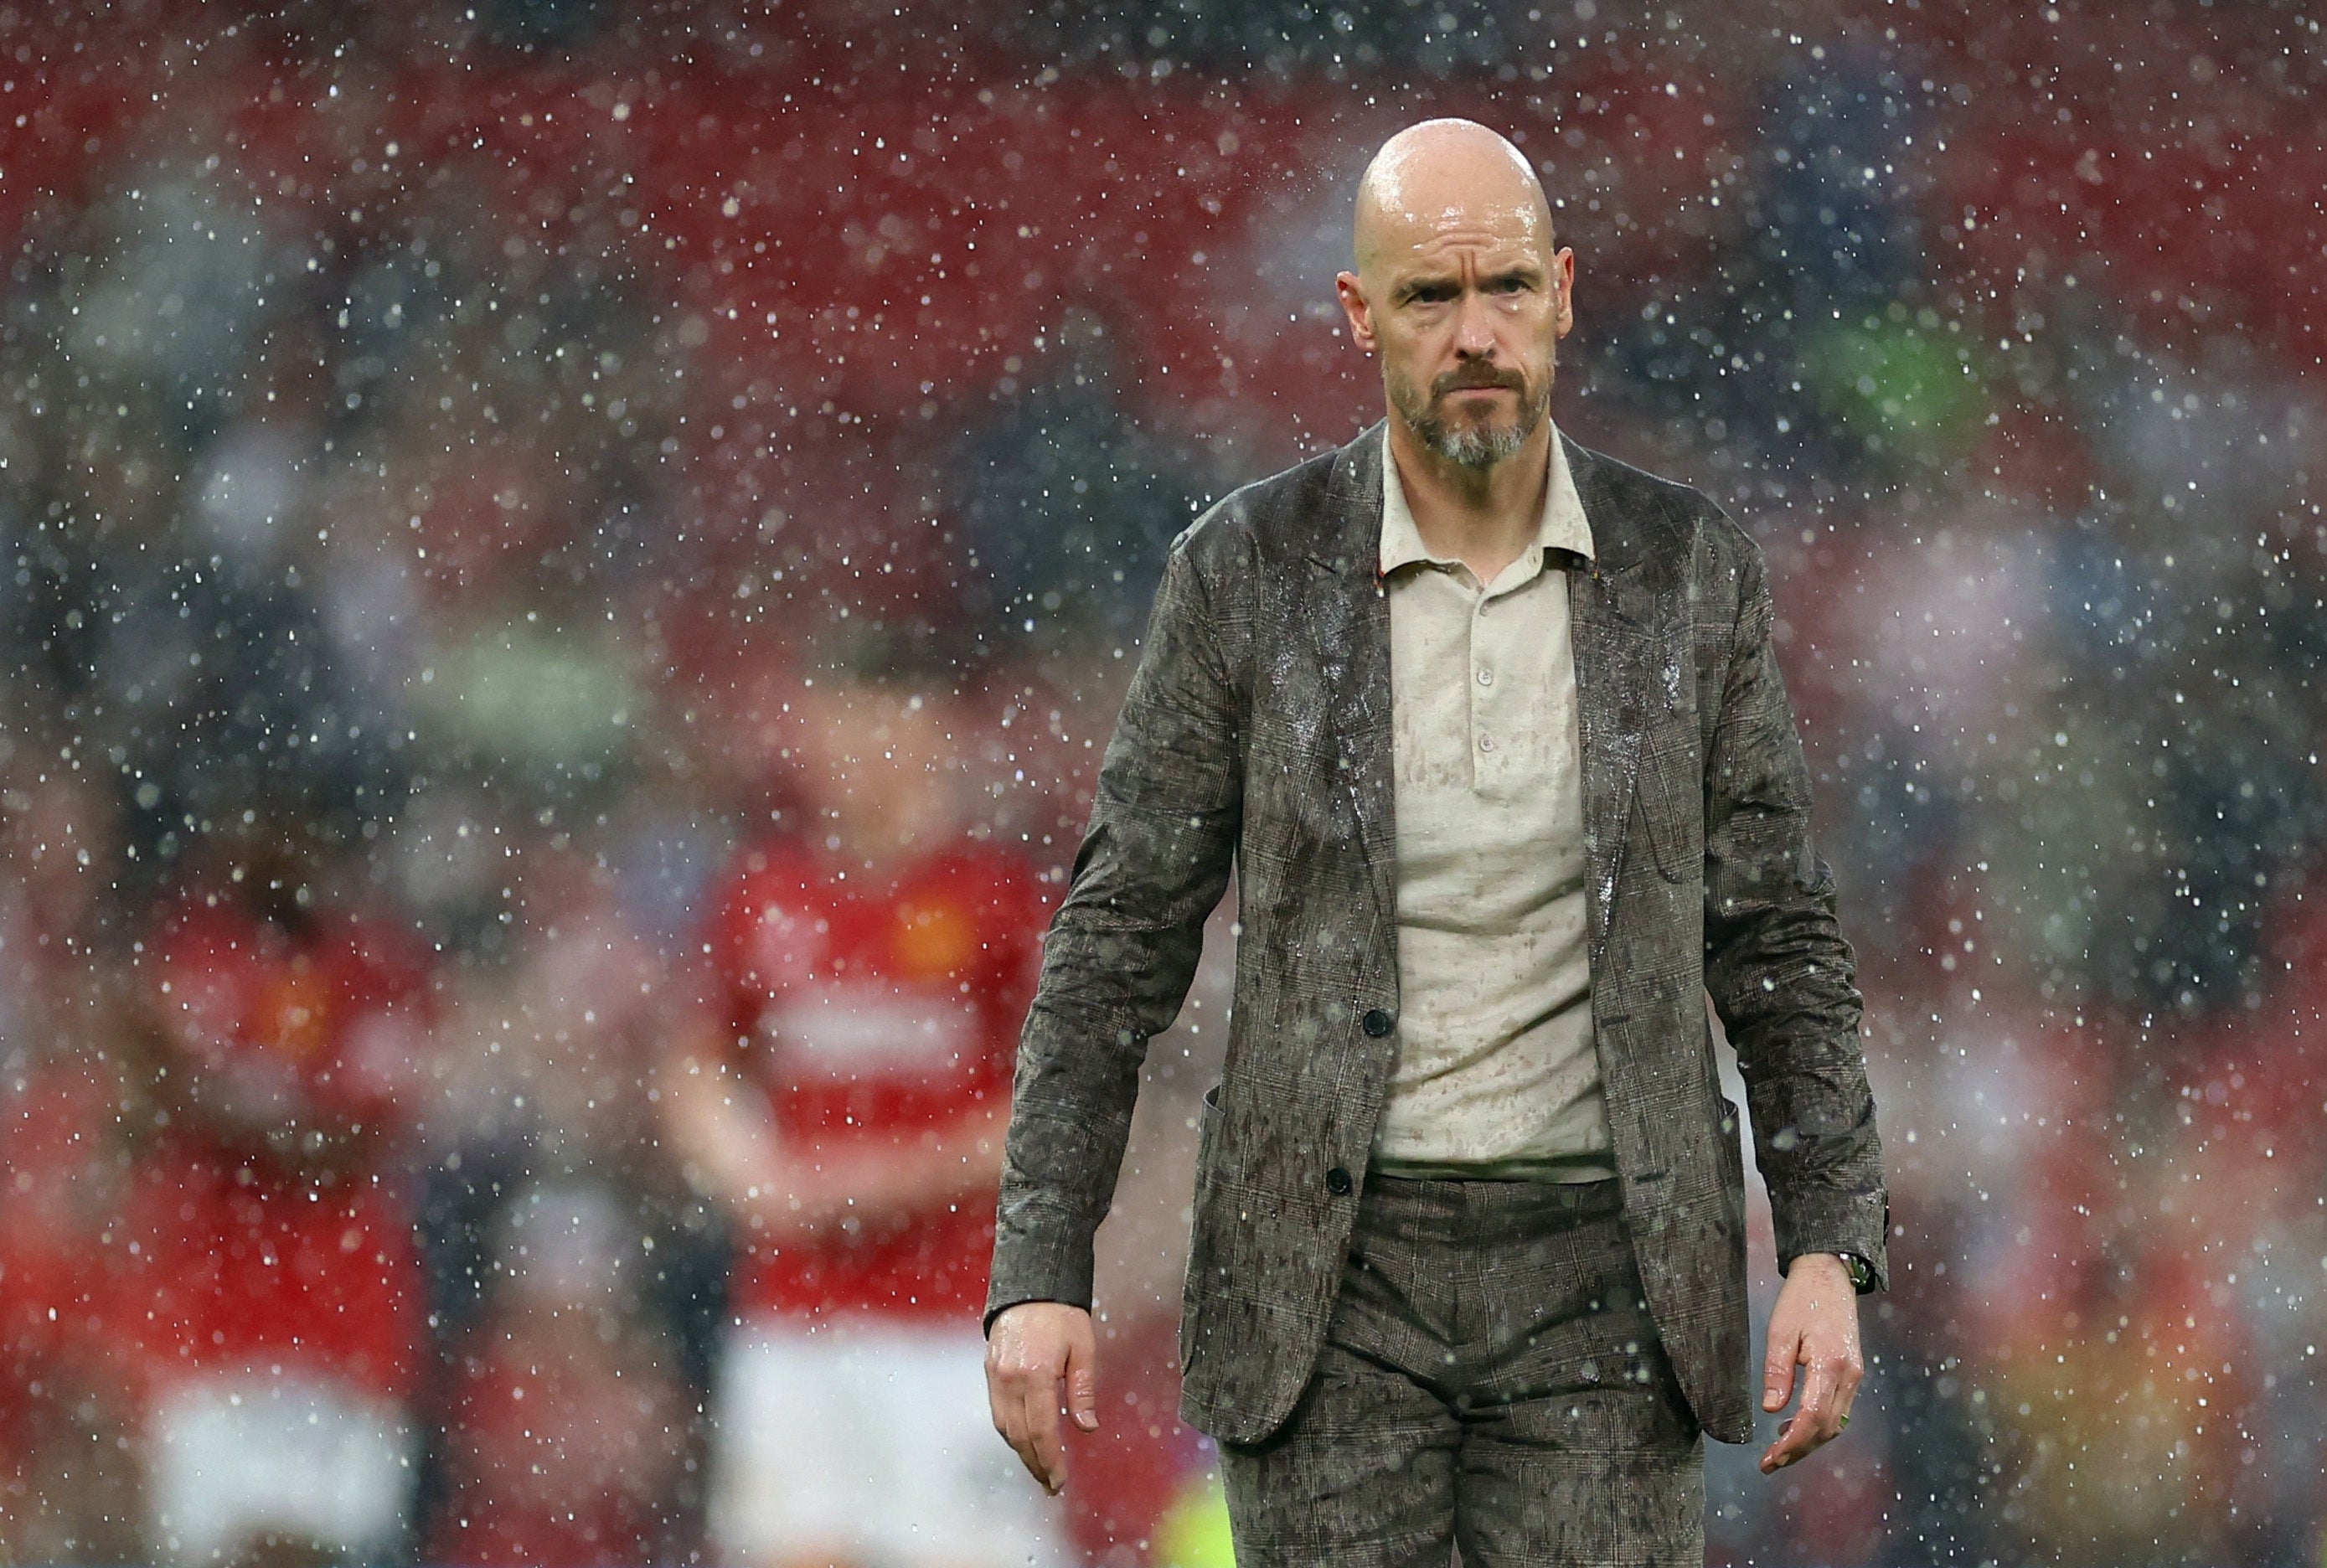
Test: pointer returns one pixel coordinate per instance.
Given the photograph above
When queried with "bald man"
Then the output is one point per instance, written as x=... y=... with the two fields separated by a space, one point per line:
x=1490 y=728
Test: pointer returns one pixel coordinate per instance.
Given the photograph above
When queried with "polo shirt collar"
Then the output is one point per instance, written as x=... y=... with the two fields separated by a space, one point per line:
x=1563 y=525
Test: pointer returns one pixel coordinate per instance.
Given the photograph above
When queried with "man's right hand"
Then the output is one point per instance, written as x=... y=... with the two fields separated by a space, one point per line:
x=1034 y=1347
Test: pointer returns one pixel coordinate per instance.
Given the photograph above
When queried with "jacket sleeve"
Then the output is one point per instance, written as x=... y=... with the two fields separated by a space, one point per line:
x=1781 y=976
x=1124 y=945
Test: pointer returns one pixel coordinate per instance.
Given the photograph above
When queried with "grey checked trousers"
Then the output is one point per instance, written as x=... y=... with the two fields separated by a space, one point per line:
x=1491 y=1382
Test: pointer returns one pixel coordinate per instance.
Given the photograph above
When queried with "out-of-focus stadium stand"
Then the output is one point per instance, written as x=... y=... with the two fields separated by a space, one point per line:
x=434 y=440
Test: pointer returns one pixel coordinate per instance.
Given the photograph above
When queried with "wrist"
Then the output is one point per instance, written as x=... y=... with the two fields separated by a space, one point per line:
x=1033 y=1309
x=1848 y=1264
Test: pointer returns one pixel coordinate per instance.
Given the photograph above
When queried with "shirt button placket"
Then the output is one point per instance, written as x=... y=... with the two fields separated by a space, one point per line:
x=1482 y=741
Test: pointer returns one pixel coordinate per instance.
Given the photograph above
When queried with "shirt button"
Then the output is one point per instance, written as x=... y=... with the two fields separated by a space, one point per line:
x=1486 y=676
x=1486 y=742
x=1376 y=1022
x=1338 y=1182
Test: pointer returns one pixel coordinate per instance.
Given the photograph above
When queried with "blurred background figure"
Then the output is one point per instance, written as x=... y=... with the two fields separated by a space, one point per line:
x=869 y=962
x=271 y=1283
x=437 y=443
x=70 y=1414
x=576 y=1283
x=565 y=1430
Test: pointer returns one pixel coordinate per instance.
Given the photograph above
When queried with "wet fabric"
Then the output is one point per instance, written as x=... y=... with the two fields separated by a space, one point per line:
x=1490 y=1378
x=1496 y=1074
x=1256 y=736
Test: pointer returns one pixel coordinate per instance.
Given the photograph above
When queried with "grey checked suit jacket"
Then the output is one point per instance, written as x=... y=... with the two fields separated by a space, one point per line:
x=1256 y=735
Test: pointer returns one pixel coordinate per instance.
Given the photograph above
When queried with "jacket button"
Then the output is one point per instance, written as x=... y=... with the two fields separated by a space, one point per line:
x=1376 y=1022
x=1337 y=1183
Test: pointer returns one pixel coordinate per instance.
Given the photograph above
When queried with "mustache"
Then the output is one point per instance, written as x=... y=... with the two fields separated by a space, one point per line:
x=1478 y=378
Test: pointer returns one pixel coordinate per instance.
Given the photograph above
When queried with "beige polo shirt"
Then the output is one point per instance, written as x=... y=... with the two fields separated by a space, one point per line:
x=1496 y=1072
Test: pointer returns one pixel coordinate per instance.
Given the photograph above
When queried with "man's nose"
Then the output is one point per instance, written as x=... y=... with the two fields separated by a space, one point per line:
x=1474 y=328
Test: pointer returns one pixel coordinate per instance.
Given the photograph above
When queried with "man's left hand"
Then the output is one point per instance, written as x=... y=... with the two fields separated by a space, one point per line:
x=1815 y=1325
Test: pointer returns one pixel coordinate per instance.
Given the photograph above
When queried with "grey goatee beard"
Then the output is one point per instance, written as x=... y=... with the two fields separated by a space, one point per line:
x=1468 y=445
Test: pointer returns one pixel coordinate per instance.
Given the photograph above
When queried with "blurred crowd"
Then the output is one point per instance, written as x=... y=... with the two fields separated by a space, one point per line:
x=570 y=565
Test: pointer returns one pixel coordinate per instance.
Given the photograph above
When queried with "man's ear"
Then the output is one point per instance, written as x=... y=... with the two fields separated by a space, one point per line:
x=1352 y=295
x=1566 y=262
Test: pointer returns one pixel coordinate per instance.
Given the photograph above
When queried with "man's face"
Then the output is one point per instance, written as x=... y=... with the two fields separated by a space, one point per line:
x=873 y=753
x=1466 y=307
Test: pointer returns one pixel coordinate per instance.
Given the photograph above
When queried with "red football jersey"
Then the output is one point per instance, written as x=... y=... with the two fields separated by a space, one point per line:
x=321 y=1029
x=238 y=1257
x=877 y=1008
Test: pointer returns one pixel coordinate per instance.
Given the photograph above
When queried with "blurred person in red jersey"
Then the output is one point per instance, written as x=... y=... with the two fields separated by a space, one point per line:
x=844 y=1099
x=272 y=1282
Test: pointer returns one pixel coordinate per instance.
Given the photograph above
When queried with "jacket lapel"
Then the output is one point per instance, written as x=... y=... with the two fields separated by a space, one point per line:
x=1347 y=610
x=1612 y=616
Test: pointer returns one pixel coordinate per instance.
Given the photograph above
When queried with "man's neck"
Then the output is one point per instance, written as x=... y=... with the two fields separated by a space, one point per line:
x=1483 y=517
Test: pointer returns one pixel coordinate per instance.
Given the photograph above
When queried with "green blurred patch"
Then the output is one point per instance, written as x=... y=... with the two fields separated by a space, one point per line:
x=1898 y=381
x=538 y=700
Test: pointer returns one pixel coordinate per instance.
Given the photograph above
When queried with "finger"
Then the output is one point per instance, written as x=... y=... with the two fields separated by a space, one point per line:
x=997 y=1398
x=1036 y=1454
x=1821 y=1409
x=1082 y=1382
x=1023 y=1446
x=1008 y=1400
x=1793 y=1443
x=1022 y=1441
x=1049 y=1461
x=1778 y=1367
x=1008 y=1382
x=1811 y=1425
x=1846 y=1391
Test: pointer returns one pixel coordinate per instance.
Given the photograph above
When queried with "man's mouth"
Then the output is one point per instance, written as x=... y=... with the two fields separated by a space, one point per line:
x=1462 y=387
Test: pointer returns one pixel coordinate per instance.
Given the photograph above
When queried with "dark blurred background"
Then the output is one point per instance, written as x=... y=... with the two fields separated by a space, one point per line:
x=438 y=442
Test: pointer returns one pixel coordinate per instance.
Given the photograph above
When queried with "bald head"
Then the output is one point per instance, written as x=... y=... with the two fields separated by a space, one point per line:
x=1460 y=291
x=1441 y=177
